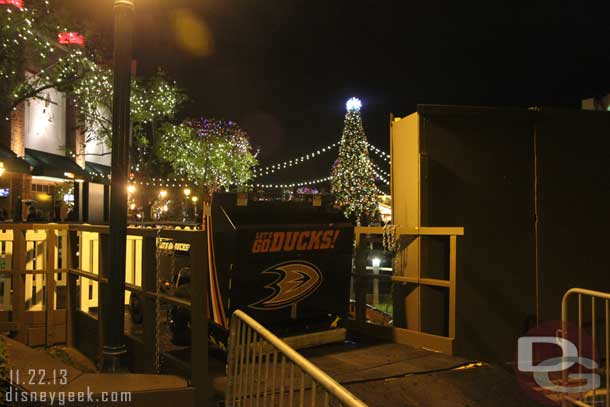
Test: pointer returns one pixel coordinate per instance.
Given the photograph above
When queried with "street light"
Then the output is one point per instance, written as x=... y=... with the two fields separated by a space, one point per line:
x=376 y=262
x=113 y=293
x=187 y=192
x=195 y=199
x=163 y=194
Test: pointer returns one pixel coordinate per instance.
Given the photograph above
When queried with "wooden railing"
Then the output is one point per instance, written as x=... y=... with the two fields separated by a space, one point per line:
x=411 y=332
x=36 y=260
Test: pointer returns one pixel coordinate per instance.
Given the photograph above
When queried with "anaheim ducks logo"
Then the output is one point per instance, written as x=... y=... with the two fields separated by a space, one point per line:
x=296 y=280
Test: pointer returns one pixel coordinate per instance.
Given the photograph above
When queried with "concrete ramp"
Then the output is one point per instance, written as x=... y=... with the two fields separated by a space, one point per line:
x=41 y=380
x=385 y=374
x=390 y=374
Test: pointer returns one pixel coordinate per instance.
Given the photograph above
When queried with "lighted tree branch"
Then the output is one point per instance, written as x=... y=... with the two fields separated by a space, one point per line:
x=214 y=153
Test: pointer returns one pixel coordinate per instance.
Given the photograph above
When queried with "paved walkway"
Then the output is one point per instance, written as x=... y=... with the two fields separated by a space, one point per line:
x=389 y=374
x=35 y=372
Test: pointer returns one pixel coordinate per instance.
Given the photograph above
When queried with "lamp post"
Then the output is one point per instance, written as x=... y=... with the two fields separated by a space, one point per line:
x=161 y=204
x=376 y=262
x=187 y=193
x=113 y=293
x=195 y=199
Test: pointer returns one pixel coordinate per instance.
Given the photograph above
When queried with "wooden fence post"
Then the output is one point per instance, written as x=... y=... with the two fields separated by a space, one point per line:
x=149 y=309
x=199 y=318
x=71 y=306
x=102 y=297
x=360 y=282
x=50 y=245
x=18 y=283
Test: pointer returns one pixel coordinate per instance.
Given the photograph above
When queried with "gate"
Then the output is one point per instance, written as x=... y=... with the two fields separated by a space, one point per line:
x=33 y=282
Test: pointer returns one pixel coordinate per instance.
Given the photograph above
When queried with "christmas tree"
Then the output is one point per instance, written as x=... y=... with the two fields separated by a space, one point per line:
x=353 y=180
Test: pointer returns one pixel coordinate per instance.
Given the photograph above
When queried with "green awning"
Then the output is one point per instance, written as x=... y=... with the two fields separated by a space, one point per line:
x=12 y=163
x=98 y=172
x=52 y=165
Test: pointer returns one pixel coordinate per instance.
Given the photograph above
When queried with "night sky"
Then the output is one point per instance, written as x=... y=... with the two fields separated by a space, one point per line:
x=283 y=69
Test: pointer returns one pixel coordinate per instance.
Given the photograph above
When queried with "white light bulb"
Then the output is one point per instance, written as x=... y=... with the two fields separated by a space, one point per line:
x=353 y=104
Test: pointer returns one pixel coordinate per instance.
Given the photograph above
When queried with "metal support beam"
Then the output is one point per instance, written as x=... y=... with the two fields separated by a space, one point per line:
x=113 y=319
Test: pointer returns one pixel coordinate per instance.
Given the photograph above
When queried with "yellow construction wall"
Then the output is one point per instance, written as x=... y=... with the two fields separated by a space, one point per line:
x=404 y=150
x=404 y=145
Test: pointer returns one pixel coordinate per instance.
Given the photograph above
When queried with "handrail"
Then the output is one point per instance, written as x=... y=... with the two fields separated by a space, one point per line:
x=328 y=383
x=411 y=231
x=605 y=297
x=583 y=291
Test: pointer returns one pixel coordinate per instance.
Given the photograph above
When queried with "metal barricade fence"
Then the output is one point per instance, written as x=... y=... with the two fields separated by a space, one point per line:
x=597 y=396
x=262 y=370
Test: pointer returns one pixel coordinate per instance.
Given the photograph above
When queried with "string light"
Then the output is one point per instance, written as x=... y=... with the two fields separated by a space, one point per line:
x=270 y=169
x=380 y=170
x=380 y=177
x=385 y=156
x=164 y=183
x=295 y=184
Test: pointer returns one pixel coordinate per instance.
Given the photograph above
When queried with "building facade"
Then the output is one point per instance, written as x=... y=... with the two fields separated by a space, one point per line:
x=50 y=170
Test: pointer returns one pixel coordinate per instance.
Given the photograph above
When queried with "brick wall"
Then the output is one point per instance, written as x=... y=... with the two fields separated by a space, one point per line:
x=18 y=130
x=75 y=136
x=21 y=189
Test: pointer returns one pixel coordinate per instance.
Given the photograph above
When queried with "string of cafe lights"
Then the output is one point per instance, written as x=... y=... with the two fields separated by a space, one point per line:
x=380 y=177
x=165 y=183
x=380 y=170
x=181 y=182
x=270 y=169
x=295 y=184
x=260 y=171
x=385 y=156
